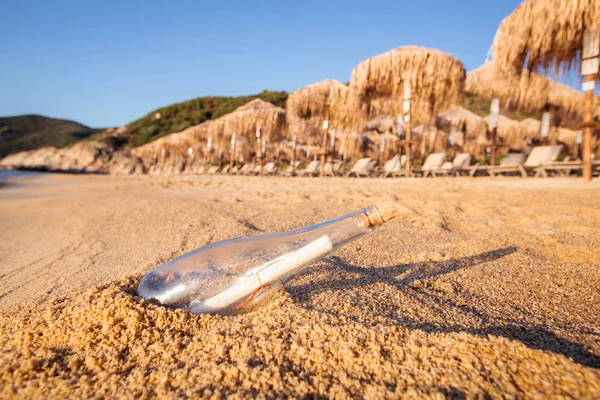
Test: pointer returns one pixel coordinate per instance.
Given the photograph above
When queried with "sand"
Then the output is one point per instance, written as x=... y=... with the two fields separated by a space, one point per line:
x=480 y=287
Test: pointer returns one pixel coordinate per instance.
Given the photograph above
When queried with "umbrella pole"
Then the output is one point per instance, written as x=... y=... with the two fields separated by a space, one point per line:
x=324 y=146
x=332 y=152
x=588 y=123
x=493 y=150
x=407 y=86
x=293 y=170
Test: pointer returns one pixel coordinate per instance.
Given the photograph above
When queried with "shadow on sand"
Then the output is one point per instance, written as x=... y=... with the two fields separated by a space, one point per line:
x=533 y=335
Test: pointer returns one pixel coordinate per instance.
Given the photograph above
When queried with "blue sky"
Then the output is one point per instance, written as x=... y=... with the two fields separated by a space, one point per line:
x=107 y=63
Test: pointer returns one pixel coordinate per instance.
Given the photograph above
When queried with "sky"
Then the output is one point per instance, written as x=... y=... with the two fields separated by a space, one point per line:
x=107 y=63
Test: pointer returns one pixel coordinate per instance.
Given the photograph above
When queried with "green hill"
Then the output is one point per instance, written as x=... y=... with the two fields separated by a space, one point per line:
x=179 y=116
x=27 y=132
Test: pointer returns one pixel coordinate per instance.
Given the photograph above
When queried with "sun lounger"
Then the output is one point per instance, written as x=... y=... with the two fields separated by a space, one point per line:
x=538 y=157
x=510 y=163
x=270 y=169
x=311 y=170
x=391 y=166
x=255 y=171
x=363 y=167
x=213 y=170
x=246 y=169
x=461 y=163
x=433 y=162
x=332 y=170
x=559 y=168
x=225 y=169
x=394 y=167
x=288 y=170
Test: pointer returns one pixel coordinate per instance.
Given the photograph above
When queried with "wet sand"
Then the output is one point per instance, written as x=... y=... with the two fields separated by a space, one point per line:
x=480 y=287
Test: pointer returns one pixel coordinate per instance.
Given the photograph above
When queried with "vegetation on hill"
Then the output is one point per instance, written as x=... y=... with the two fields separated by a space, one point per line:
x=27 y=132
x=179 y=116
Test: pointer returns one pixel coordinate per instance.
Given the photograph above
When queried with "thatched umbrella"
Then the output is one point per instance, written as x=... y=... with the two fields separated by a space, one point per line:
x=309 y=107
x=426 y=79
x=544 y=35
x=436 y=80
x=510 y=132
x=244 y=121
x=432 y=140
x=531 y=125
x=540 y=35
x=568 y=99
x=382 y=124
x=325 y=99
x=470 y=128
x=169 y=152
x=528 y=91
x=163 y=154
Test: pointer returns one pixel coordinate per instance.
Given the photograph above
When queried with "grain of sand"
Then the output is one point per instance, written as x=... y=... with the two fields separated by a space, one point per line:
x=479 y=288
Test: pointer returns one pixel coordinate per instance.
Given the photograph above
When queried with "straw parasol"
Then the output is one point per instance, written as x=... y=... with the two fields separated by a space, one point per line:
x=471 y=124
x=540 y=35
x=569 y=100
x=243 y=121
x=511 y=132
x=174 y=145
x=544 y=35
x=436 y=81
x=431 y=139
x=528 y=91
x=471 y=129
x=308 y=107
x=531 y=125
x=567 y=137
x=382 y=124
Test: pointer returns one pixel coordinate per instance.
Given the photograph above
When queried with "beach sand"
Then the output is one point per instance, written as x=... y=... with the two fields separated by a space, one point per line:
x=480 y=287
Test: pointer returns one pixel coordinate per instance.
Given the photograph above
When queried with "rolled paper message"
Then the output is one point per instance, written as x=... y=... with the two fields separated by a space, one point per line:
x=259 y=277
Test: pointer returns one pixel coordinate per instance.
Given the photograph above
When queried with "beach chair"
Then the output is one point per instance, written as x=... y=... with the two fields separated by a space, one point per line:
x=256 y=170
x=401 y=170
x=269 y=169
x=213 y=170
x=333 y=170
x=433 y=162
x=246 y=169
x=311 y=170
x=392 y=165
x=510 y=163
x=461 y=163
x=560 y=168
x=225 y=169
x=539 y=156
x=288 y=169
x=363 y=167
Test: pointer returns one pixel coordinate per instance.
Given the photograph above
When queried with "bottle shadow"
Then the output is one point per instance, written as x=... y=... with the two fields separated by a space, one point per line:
x=405 y=278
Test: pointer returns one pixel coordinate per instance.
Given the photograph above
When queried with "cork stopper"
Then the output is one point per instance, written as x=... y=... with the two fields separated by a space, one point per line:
x=379 y=214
